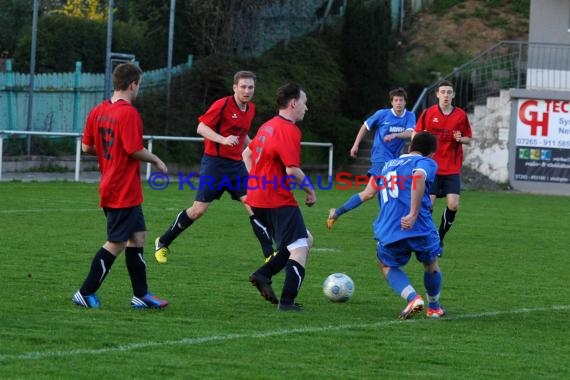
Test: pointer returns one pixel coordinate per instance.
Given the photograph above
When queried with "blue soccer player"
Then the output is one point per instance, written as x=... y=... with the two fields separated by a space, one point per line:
x=392 y=127
x=404 y=225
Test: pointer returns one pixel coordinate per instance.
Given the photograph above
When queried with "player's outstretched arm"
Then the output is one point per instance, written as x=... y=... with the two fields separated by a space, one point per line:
x=208 y=133
x=88 y=149
x=418 y=189
x=146 y=156
x=246 y=156
x=358 y=140
x=302 y=182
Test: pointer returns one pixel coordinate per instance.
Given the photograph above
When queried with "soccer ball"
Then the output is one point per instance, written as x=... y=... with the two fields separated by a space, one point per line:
x=338 y=287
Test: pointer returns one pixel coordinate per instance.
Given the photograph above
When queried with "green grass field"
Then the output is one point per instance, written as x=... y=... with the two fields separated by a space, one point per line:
x=505 y=280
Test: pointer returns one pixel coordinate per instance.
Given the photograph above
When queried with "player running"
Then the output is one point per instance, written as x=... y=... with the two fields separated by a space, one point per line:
x=404 y=225
x=391 y=128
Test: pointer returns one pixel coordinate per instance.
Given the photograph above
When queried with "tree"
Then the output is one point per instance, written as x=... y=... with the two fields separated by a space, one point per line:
x=77 y=38
x=219 y=26
x=81 y=40
x=89 y=9
x=366 y=48
x=14 y=15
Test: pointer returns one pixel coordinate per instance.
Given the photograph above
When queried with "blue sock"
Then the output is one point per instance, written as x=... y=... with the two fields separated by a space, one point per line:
x=400 y=283
x=432 y=282
x=352 y=203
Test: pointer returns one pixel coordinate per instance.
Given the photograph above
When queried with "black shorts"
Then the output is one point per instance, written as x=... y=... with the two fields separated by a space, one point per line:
x=221 y=174
x=446 y=184
x=122 y=223
x=285 y=223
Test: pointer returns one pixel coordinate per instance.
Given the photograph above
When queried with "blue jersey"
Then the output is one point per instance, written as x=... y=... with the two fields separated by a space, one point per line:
x=394 y=196
x=385 y=122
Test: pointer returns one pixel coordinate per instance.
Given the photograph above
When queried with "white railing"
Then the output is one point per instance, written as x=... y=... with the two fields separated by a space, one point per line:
x=149 y=138
x=506 y=65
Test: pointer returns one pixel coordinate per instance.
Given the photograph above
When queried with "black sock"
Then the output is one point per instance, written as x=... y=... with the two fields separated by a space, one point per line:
x=446 y=221
x=276 y=264
x=137 y=270
x=294 y=275
x=100 y=268
x=263 y=235
x=181 y=223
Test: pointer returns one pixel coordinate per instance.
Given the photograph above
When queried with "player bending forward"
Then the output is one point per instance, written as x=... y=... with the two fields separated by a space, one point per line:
x=404 y=225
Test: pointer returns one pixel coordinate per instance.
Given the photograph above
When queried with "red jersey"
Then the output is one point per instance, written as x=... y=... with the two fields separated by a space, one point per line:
x=226 y=118
x=449 y=154
x=276 y=146
x=116 y=130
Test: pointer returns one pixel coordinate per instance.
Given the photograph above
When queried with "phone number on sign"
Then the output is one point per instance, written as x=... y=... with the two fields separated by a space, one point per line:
x=564 y=144
x=526 y=177
x=527 y=142
x=556 y=143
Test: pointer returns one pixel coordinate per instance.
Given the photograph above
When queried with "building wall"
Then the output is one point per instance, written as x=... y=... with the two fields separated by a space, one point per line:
x=549 y=21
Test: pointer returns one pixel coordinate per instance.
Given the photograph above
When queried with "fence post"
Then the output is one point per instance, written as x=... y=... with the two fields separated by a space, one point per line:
x=77 y=157
x=76 y=96
x=9 y=90
x=1 y=153
x=331 y=148
x=519 y=64
x=148 y=163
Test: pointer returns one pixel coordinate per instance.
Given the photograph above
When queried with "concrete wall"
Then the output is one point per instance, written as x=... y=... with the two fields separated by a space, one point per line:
x=489 y=151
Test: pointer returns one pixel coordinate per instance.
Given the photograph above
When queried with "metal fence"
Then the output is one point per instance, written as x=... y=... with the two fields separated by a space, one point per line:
x=149 y=138
x=506 y=65
x=62 y=101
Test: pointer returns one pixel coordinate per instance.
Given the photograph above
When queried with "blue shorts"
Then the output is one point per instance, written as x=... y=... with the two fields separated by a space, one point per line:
x=446 y=184
x=398 y=253
x=376 y=169
x=285 y=223
x=122 y=223
x=218 y=175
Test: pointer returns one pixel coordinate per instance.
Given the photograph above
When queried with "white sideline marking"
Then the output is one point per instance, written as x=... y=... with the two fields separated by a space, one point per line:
x=36 y=355
x=325 y=250
x=23 y=211
x=93 y=209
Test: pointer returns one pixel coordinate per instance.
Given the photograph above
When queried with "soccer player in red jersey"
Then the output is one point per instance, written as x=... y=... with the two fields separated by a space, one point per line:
x=451 y=127
x=274 y=161
x=114 y=133
x=225 y=127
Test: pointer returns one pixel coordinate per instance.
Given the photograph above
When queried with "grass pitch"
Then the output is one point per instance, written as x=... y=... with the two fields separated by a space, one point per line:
x=505 y=280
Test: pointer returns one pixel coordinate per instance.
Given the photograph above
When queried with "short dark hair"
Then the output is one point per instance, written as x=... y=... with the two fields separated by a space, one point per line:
x=286 y=93
x=244 y=74
x=125 y=74
x=424 y=142
x=398 y=92
x=444 y=83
